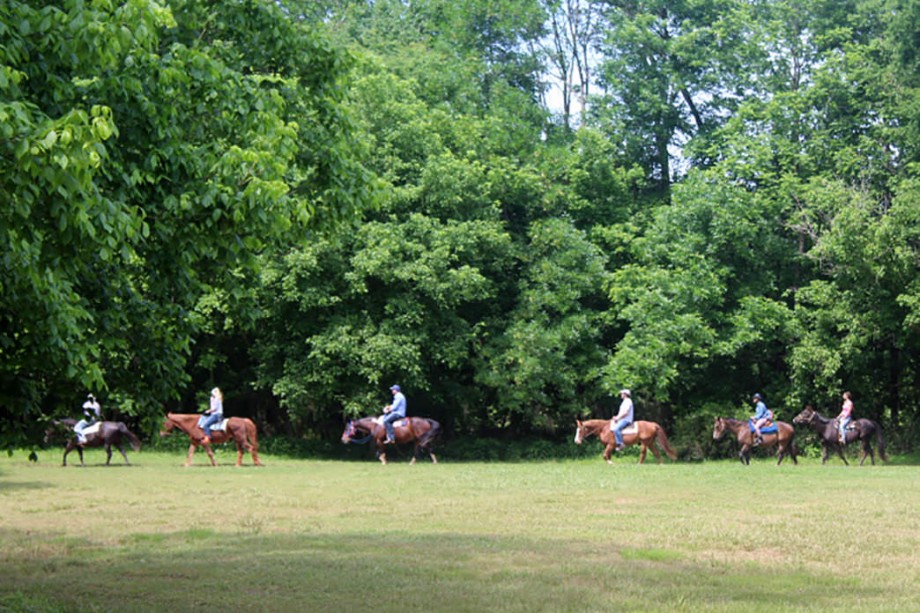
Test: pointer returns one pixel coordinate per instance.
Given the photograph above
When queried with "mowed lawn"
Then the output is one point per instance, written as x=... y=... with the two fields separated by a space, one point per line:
x=300 y=535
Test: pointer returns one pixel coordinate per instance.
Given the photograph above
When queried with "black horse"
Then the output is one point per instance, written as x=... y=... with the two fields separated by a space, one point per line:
x=861 y=430
x=107 y=434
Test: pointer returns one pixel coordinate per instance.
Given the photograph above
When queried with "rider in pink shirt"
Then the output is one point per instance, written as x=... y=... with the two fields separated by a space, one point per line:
x=845 y=417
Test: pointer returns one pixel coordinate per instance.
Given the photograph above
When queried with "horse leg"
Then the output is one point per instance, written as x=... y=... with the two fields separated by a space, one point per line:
x=434 y=458
x=655 y=451
x=780 y=453
x=67 y=449
x=121 y=448
x=239 y=454
x=866 y=450
x=840 y=452
x=824 y=453
x=607 y=451
x=642 y=449
x=210 y=455
x=742 y=455
x=191 y=451
x=108 y=455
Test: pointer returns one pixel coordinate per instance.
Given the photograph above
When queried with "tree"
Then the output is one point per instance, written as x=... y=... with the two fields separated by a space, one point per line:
x=147 y=158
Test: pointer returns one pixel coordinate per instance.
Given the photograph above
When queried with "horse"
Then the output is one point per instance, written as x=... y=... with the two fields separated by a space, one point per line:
x=784 y=438
x=241 y=430
x=648 y=434
x=420 y=430
x=103 y=433
x=861 y=430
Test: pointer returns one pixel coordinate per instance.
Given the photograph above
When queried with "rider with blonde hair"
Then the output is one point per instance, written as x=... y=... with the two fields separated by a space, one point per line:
x=213 y=415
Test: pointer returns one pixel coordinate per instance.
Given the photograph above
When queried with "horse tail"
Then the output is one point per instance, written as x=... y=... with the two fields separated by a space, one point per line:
x=664 y=444
x=135 y=442
x=434 y=431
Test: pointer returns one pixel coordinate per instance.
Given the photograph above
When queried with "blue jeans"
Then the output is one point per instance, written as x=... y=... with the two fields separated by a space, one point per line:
x=209 y=421
x=843 y=428
x=618 y=430
x=388 y=423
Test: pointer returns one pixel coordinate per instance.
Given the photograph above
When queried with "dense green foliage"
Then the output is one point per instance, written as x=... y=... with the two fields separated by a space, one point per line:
x=304 y=202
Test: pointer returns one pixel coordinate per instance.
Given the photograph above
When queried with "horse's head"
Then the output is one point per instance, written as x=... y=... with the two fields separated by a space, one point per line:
x=718 y=428
x=168 y=426
x=349 y=432
x=59 y=428
x=805 y=417
x=579 y=432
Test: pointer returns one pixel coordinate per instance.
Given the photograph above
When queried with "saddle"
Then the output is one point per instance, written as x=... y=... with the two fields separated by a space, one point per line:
x=92 y=429
x=850 y=426
x=220 y=426
x=399 y=423
x=632 y=428
x=771 y=429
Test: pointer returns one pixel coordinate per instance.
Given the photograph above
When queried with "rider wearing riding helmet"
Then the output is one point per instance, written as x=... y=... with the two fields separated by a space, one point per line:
x=91 y=413
x=763 y=418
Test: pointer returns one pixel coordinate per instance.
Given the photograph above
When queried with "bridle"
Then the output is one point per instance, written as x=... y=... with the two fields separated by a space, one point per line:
x=350 y=431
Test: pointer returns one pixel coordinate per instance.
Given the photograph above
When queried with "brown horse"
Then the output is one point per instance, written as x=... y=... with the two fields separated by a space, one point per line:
x=420 y=430
x=784 y=438
x=241 y=430
x=104 y=433
x=644 y=433
x=862 y=430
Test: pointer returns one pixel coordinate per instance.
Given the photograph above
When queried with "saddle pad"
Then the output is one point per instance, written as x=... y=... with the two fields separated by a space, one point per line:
x=399 y=423
x=632 y=428
x=220 y=426
x=768 y=430
x=93 y=429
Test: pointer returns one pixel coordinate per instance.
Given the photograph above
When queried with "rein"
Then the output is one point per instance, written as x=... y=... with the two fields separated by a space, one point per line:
x=359 y=441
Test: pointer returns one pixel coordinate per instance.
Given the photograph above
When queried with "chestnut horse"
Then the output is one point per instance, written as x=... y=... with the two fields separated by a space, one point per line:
x=861 y=430
x=241 y=430
x=784 y=438
x=420 y=430
x=103 y=433
x=644 y=433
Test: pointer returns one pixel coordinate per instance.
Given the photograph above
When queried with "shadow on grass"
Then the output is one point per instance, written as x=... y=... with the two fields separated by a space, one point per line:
x=202 y=569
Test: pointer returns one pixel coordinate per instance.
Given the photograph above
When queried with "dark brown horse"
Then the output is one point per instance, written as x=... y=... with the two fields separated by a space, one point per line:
x=419 y=430
x=103 y=433
x=783 y=438
x=241 y=430
x=647 y=434
x=862 y=430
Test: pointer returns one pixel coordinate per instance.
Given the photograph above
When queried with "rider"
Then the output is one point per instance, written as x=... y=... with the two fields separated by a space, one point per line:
x=214 y=414
x=394 y=412
x=763 y=418
x=91 y=413
x=623 y=418
x=845 y=417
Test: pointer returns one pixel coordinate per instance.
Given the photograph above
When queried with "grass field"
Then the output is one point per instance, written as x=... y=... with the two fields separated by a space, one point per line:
x=301 y=535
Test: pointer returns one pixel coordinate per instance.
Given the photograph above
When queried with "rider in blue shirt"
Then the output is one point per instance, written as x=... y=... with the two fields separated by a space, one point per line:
x=763 y=417
x=394 y=412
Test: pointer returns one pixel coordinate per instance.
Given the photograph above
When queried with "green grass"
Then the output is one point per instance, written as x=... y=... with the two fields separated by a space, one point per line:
x=576 y=535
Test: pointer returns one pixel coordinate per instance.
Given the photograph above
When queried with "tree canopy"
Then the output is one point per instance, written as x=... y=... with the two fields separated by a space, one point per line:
x=513 y=209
